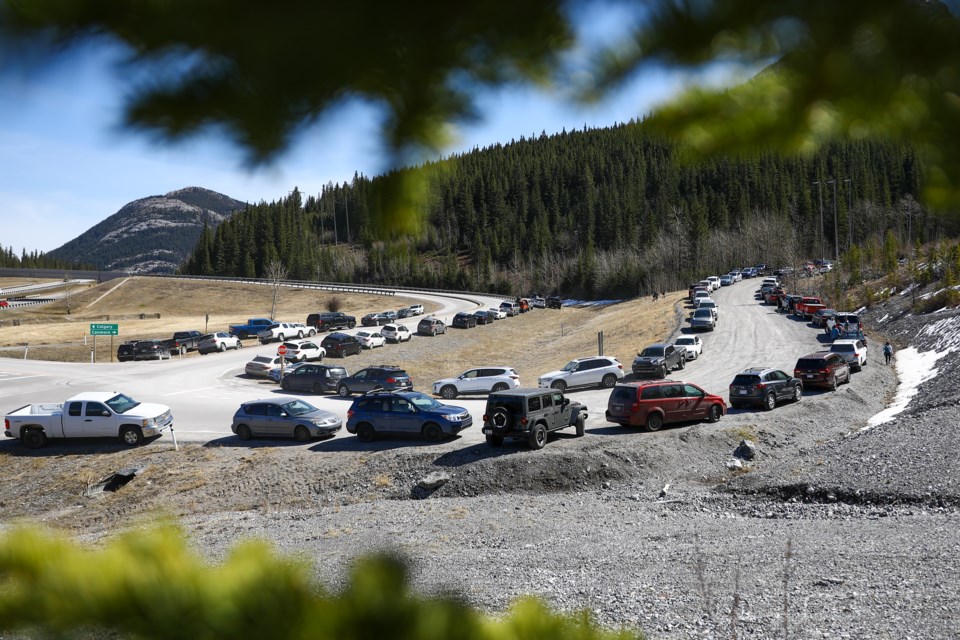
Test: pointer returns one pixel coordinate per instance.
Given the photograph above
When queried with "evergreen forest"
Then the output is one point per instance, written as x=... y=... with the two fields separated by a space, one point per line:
x=37 y=260
x=608 y=212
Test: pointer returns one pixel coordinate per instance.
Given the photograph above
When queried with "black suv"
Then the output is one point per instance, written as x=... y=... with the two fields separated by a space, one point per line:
x=330 y=321
x=151 y=349
x=554 y=302
x=125 y=352
x=380 y=378
x=765 y=387
x=464 y=320
x=341 y=344
x=530 y=414
x=317 y=378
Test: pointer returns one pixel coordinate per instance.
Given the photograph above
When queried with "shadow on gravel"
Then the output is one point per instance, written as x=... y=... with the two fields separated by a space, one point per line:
x=258 y=442
x=70 y=447
x=381 y=443
x=481 y=451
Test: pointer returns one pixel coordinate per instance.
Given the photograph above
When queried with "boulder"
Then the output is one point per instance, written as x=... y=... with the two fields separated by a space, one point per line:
x=433 y=480
x=746 y=450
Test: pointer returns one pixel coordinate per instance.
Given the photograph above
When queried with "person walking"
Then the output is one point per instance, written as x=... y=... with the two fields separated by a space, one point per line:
x=887 y=351
x=831 y=323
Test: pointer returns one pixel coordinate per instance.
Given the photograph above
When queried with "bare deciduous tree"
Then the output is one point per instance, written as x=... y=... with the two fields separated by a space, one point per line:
x=276 y=273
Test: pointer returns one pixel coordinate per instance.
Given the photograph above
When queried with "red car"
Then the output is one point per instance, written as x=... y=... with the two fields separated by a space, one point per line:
x=4 y=303
x=654 y=403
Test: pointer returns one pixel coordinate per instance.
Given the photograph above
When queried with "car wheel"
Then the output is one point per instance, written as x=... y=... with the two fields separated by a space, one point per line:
x=683 y=362
x=559 y=385
x=494 y=441
x=33 y=438
x=609 y=381
x=301 y=434
x=432 y=432
x=281 y=337
x=243 y=432
x=239 y=344
x=500 y=386
x=343 y=391
x=797 y=393
x=654 y=422
x=351 y=325
x=131 y=436
x=312 y=332
x=580 y=425
x=770 y=401
x=663 y=371
x=834 y=383
x=714 y=414
x=223 y=347
x=300 y=335
x=538 y=437
x=365 y=432
x=448 y=392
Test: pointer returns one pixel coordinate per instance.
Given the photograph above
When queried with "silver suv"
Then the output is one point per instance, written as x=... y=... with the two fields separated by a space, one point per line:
x=584 y=372
x=479 y=380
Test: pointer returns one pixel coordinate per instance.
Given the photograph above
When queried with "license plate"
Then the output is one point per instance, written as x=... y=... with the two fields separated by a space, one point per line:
x=488 y=432
x=808 y=375
x=743 y=392
x=617 y=407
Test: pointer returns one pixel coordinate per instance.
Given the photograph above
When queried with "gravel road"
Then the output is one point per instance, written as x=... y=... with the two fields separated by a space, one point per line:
x=829 y=532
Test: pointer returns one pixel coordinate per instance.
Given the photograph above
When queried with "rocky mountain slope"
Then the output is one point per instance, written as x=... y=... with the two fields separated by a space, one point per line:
x=150 y=235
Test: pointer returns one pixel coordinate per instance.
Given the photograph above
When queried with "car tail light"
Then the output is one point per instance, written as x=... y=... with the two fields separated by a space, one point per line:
x=391 y=380
x=350 y=413
x=523 y=421
x=635 y=407
x=619 y=366
x=823 y=371
x=514 y=377
x=485 y=418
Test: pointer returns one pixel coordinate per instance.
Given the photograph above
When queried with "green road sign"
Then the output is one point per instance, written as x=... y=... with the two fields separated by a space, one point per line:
x=104 y=329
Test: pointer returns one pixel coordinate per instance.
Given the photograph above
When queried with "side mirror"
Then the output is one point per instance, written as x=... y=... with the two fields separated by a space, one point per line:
x=566 y=402
x=105 y=414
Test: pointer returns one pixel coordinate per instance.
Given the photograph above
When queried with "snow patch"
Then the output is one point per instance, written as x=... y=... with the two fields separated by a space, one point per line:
x=913 y=368
x=881 y=320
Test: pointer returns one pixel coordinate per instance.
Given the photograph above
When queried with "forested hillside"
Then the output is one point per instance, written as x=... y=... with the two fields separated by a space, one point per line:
x=36 y=260
x=591 y=213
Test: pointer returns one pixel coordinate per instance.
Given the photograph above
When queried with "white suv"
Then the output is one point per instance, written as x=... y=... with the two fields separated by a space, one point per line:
x=582 y=372
x=395 y=333
x=853 y=350
x=220 y=341
x=479 y=380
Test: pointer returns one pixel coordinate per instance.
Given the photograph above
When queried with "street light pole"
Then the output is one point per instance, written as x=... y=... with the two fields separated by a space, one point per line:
x=836 y=233
x=849 y=212
x=820 y=198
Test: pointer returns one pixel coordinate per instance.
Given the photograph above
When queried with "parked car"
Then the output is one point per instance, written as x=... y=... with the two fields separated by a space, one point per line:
x=710 y=303
x=807 y=306
x=715 y=281
x=316 y=378
x=280 y=331
x=554 y=302
x=404 y=313
x=703 y=319
x=699 y=296
x=464 y=320
x=391 y=316
x=510 y=308
x=726 y=281
x=303 y=351
x=483 y=317
x=658 y=360
x=848 y=322
x=126 y=352
x=370 y=339
x=478 y=380
x=431 y=326
x=538 y=302
x=416 y=309
x=374 y=320
x=396 y=333
x=693 y=345
x=284 y=417
x=219 y=341
x=652 y=404
x=183 y=341
x=822 y=368
x=407 y=412
x=150 y=350
x=765 y=387
x=583 y=372
x=331 y=320
x=499 y=313
x=260 y=366
x=252 y=327
x=853 y=350
x=340 y=344
x=382 y=377
x=822 y=315
x=530 y=414
x=524 y=305
x=277 y=374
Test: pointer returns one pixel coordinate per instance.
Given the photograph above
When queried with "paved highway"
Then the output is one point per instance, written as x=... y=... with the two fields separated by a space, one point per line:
x=204 y=392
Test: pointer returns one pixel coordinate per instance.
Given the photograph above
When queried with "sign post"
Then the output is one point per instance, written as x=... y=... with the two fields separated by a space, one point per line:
x=282 y=351
x=103 y=329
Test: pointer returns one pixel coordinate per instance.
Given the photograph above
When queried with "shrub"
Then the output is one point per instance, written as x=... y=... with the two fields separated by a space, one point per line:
x=945 y=298
x=148 y=584
x=335 y=303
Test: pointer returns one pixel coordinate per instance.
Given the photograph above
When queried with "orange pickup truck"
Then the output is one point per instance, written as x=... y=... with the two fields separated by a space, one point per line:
x=807 y=306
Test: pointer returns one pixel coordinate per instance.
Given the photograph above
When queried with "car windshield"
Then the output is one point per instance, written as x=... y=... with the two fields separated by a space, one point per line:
x=685 y=341
x=651 y=352
x=424 y=402
x=121 y=403
x=298 y=407
x=570 y=366
x=703 y=313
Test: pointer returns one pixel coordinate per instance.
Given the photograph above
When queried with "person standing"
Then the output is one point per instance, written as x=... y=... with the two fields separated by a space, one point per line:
x=887 y=351
x=831 y=323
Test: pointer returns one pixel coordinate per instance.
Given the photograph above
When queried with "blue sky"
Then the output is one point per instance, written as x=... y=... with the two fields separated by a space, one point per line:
x=65 y=165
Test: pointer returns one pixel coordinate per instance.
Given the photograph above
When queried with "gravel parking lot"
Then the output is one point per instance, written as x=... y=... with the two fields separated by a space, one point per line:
x=827 y=533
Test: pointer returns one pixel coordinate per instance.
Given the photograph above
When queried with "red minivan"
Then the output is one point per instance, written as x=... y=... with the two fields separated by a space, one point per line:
x=654 y=403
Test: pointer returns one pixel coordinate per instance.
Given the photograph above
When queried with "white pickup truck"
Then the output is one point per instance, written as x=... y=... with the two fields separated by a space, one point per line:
x=92 y=414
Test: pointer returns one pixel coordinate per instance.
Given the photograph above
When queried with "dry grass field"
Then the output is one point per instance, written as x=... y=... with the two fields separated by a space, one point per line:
x=154 y=308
